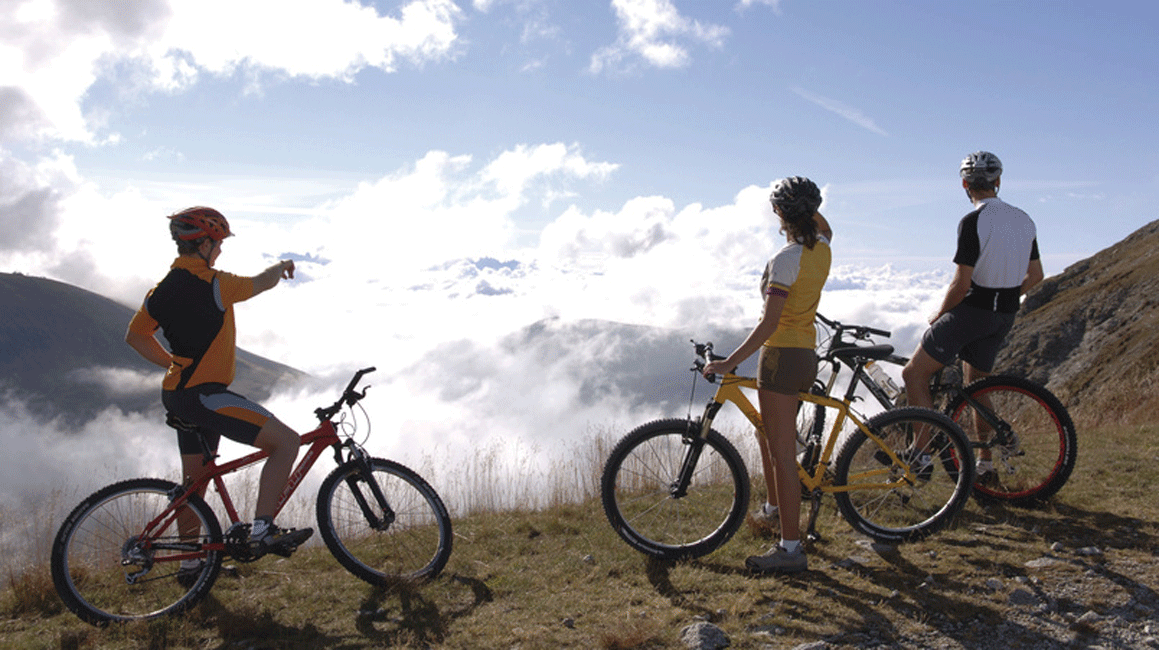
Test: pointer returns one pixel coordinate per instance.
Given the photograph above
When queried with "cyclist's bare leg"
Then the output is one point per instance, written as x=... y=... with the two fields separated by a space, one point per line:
x=768 y=467
x=188 y=525
x=981 y=429
x=917 y=375
x=281 y=442
x=779 y=417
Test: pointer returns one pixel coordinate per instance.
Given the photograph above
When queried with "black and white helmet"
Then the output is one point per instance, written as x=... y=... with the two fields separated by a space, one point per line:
x=796 y=195
x=981 y=165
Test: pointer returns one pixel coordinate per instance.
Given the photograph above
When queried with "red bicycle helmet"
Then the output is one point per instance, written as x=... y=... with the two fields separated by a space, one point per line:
x=197 y=222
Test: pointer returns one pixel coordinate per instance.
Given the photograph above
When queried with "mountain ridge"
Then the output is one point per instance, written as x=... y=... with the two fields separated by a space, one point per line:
x=58 y=344
x=1087 y=333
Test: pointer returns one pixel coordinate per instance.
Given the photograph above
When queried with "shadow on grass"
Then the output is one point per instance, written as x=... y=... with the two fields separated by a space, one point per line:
x=848 y=600
x=400 y=613
x=249 y=623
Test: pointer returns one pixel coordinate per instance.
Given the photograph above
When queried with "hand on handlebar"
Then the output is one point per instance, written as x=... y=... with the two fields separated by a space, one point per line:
x=714 y=368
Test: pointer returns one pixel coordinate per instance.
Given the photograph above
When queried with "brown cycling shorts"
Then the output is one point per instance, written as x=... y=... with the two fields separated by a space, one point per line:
x=787 y=370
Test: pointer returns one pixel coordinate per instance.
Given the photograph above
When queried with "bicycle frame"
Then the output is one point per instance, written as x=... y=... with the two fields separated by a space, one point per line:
x=325 y=435
x=730 y=391
x=1001 y=428
x=318 y=439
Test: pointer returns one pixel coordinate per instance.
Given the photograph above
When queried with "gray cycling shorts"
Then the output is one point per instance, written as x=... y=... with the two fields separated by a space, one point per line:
x=969 y=333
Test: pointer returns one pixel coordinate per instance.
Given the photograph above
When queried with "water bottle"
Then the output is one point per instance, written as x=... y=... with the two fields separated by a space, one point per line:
x=882 y=380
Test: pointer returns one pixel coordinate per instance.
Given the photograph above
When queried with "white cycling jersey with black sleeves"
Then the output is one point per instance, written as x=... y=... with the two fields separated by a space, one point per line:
x=998 y=240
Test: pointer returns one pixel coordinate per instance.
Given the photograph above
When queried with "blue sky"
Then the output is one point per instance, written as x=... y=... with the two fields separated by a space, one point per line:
x=457 y=170
x=689 y=101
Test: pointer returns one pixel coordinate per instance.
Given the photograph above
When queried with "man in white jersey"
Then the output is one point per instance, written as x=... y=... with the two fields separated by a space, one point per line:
x=997 y=262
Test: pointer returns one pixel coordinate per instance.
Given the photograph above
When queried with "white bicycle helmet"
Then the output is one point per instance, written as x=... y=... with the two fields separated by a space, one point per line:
x=981 y=165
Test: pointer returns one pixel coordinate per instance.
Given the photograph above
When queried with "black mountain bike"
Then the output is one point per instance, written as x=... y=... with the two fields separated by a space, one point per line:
x=1027 y=432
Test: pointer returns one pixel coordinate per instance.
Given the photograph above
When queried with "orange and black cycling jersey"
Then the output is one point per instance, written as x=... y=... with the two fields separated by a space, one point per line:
x=193 y=306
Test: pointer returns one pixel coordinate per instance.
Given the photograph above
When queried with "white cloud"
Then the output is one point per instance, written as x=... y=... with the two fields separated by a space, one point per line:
x=656 y=32
x=848 y=112
x=53 y=51
x=321 y=39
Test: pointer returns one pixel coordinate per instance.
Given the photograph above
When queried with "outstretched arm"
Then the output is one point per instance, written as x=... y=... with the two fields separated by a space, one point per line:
x=269 y=278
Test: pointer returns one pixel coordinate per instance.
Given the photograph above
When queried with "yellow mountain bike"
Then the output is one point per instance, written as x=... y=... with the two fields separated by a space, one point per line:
x=678 y=489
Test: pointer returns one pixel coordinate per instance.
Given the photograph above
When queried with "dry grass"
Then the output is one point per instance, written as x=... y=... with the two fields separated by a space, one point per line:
x=558 y=576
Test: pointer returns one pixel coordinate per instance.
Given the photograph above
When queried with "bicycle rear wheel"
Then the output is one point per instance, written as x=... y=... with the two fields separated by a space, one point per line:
x=642 y=502
x=1035 y=458
x=891 y=499
x=409 y=541
x=103 y=570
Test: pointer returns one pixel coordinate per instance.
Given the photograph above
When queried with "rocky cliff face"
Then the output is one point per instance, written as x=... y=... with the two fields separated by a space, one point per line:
x=1089 y=333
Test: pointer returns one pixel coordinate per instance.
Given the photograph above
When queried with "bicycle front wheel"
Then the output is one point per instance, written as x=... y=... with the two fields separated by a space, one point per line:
x=1034 y=450
x=648 y=506
x=106 y=571
x=404 y=537
x=885 y=491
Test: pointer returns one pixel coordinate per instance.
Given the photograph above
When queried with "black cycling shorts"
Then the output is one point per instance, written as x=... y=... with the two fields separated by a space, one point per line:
x=218 y=411
x=968 y=332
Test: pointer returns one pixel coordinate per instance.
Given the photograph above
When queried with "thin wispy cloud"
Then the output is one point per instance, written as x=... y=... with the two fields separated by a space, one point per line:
x=843 y=110
x=745 y=4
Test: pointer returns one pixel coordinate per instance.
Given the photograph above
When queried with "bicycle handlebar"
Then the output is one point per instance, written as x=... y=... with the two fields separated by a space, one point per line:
x=350 y=397
x=705 y=354
x=858 y=331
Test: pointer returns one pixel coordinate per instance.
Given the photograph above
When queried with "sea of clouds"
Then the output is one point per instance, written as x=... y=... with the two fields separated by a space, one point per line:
x=503 y=354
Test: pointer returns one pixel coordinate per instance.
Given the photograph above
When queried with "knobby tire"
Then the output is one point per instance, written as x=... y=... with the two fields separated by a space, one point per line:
x=636 y=491
x=1033 y=468
x=87 y=568
x=889 y=500
x=414 y=547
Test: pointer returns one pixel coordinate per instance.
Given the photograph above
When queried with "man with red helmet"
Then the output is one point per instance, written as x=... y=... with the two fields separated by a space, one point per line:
x=193 y=307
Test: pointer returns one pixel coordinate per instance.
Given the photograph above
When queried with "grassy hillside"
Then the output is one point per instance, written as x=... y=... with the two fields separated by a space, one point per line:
x=1081 y=569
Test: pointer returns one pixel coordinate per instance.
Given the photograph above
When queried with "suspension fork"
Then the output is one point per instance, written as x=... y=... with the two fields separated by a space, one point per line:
x=694 y=440
x=365 y=473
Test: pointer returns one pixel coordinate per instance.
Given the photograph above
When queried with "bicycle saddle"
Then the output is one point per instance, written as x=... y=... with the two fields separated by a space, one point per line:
x=864 y=351
x=179 y=424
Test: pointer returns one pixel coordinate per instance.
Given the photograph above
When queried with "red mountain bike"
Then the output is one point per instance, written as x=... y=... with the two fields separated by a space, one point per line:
x=117 y=555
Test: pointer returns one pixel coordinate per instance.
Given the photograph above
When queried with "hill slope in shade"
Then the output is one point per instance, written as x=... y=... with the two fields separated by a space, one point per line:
x=1089 y=332
x=63 y=354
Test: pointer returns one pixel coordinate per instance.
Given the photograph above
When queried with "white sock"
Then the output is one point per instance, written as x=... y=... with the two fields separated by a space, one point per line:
x=790 y=545
x=769 y=509
x=190 y=564
x=261 y=525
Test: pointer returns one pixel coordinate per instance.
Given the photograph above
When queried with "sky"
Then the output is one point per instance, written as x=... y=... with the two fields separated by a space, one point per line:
x=449 y=173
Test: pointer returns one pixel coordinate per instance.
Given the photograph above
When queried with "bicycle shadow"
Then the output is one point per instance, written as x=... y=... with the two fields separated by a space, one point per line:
x=242 y=625
x=1074 y=526
x=396 y=614
x=824 y=600
x=401 y=613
